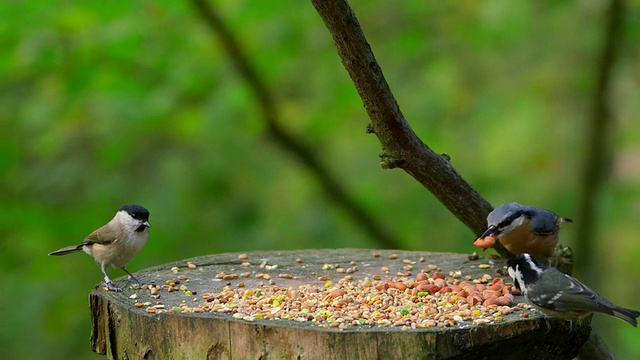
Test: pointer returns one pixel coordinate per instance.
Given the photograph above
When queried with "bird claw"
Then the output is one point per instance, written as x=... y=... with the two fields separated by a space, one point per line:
x=135 y=280
x=546 y=319
x=110 y=286
x=132 y=278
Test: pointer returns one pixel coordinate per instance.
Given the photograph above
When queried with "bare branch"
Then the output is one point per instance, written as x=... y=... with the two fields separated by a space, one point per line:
x=401 y=146
x=300 y=150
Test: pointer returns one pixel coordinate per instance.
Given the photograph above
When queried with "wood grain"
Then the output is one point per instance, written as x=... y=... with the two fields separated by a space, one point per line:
x=123 y=331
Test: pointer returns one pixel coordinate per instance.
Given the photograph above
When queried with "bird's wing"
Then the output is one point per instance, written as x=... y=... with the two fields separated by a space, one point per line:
x=573 y=296
x=101 y=236
x=544 y=224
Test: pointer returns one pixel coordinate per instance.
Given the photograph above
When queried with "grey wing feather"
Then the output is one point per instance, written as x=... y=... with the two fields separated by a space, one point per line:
x=576 y=296
x=545 y=224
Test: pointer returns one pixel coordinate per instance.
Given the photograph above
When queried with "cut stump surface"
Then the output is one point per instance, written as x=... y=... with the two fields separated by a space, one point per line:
x=121 y=330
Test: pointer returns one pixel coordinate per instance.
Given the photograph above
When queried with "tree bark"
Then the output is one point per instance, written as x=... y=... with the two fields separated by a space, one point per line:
x=401 y=146
x=121 y=330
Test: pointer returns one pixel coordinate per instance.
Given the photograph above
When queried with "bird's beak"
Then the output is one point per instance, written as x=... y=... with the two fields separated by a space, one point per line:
x=489 y=231
x=146 y=223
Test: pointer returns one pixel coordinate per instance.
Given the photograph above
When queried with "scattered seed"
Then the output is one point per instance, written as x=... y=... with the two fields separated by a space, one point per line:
x=407 y=302
x=242 y=256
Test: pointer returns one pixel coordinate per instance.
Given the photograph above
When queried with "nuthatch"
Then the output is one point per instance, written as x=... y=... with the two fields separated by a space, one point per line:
x=525 y=229
x=559 y=295
x=117 y=242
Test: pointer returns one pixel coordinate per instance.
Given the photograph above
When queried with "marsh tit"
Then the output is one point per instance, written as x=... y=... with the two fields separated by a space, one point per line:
x=116 y=243
x=560 y=295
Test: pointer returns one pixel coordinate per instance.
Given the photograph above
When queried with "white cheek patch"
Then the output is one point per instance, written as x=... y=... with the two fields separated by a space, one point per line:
x=516 y=275
x=532 y=265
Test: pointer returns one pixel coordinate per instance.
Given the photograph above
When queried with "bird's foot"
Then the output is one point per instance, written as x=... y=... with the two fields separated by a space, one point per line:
x=546 y=319
x=132 y=278
x=135 y=280
x=109 y=285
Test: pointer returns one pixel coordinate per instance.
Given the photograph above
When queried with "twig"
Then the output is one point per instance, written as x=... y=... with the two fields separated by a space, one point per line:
x=401 y=146
x=296 y=147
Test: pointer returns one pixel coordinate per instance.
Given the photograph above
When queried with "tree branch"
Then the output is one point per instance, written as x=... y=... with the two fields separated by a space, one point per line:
x=401 y=146
x=276 y=131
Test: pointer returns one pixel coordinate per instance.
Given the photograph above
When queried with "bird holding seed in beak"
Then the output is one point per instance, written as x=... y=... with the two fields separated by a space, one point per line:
x=522 y=229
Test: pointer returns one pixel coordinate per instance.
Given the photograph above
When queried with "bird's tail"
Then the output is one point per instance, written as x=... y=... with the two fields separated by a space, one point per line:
x=67 y=250
x=627 y=315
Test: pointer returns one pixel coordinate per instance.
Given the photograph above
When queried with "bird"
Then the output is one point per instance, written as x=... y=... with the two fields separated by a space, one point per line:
x=523 y=229
x=116 y=243
x=559 y=295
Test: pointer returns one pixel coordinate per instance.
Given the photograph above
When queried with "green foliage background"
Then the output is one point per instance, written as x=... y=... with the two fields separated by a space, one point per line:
x=106 y=103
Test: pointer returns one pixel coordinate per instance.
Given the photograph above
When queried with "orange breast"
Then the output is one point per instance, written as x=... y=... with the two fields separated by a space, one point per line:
x=522 y=240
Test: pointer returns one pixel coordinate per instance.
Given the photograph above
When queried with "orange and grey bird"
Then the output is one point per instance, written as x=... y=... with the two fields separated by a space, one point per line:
x=560 y=295
x=525 y=229
x=116 y=243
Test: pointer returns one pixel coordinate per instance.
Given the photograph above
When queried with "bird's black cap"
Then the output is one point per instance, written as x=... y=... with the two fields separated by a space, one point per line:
x=136 y=211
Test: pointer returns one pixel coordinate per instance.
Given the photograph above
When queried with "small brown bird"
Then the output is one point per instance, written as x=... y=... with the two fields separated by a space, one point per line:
x=523 y=229
x=116 y=243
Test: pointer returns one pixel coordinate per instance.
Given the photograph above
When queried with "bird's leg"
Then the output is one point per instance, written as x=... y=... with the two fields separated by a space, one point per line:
x=107 y=282
x=545 y=317
x=133 y=278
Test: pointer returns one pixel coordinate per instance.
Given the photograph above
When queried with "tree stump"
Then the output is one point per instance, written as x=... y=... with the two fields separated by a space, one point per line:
x=122 y=330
